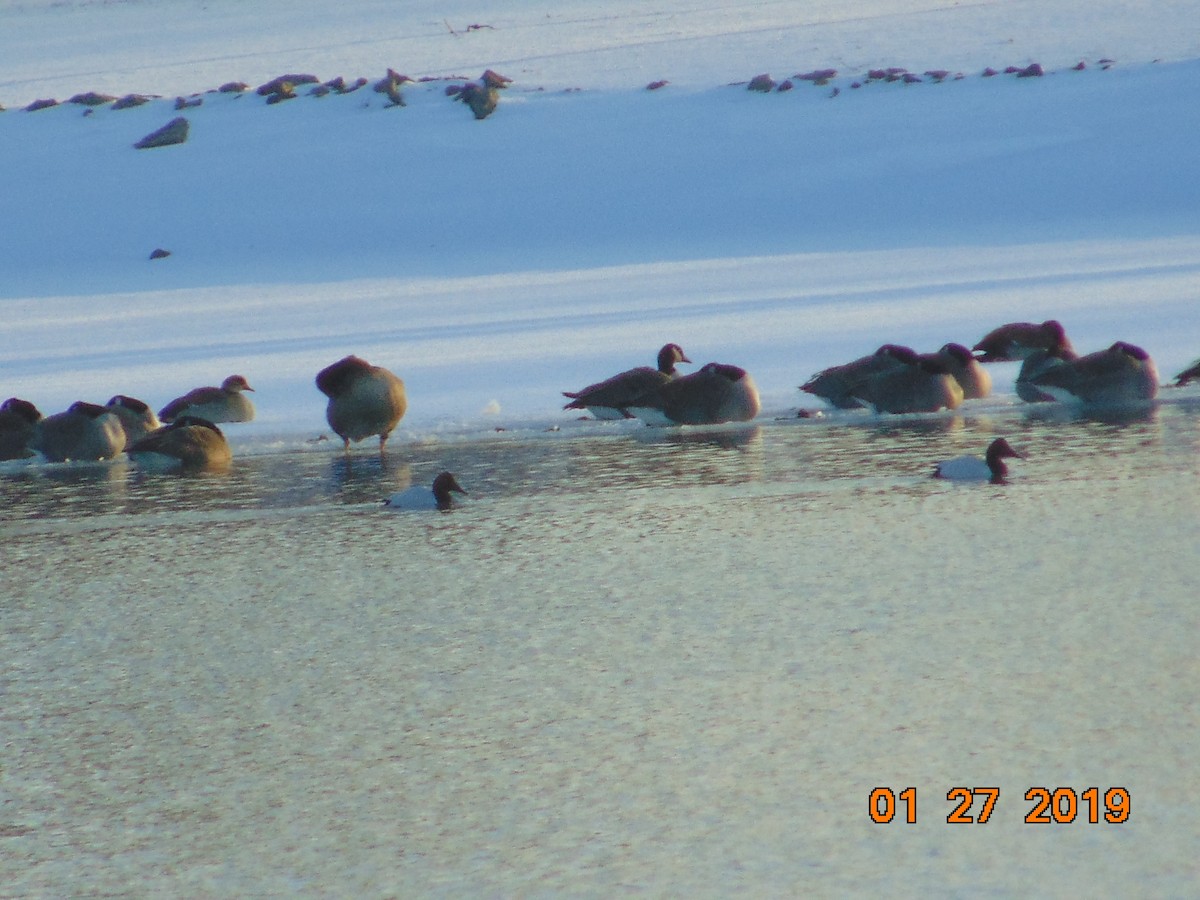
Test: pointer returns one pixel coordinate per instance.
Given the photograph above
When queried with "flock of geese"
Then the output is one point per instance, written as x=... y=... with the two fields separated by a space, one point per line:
x=367 y=400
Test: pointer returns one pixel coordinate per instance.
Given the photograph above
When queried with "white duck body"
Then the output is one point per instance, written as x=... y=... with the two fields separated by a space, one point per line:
x=972 y=468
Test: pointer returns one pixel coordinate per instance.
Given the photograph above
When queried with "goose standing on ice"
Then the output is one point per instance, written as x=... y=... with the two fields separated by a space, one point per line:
x=972 y=468
x=227 y=403
x=611 y=398
x=419 y=498
x=364 y=400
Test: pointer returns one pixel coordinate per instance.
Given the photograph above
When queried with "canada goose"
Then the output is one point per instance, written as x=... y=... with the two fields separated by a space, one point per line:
x=1017 y=340
x=1192 y=371
x=363 y=399
x=1122 y=374
x=86 y=431
x=419 y=498
x=18 y=422
x=611 y=398
x=716 y=393
x=1034 y=364
x=136 y=417
x=919 y=385
x=226 y=403
x=973 y=378
x=837 y=384
x=972 y=468
x=483 y=96
x=189 y=443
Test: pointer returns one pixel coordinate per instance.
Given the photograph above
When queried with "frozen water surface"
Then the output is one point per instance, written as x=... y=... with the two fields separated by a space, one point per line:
x=637 y=659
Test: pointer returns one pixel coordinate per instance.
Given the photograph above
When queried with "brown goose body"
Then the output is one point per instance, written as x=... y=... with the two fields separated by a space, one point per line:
x=717 y=393
x=364 y=400
x=972 y=377
x=227 y=403
x=86 y=431
x=18 y=423
x=1018 y=340
x=189 y=443
x=837 y=384
x=1124 y=374
x=921 y=385
x=613 y=397
x=136 y=417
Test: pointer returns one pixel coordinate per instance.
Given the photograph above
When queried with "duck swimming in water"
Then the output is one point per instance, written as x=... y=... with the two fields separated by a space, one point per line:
x=971 y=468
x=419 y=498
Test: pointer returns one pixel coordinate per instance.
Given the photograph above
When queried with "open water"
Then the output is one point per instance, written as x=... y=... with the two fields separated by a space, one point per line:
x=635 y=661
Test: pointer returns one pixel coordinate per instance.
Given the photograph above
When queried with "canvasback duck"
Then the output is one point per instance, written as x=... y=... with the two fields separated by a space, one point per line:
x=227 y=403
x=971 y=468
x=86 y=431
x=1192 y=371
x=18 y=422
x=1018 y=340
x=189 y=443
x=919 y=385
x=136 y=417
x=1121 y=375
x=973 y=378
x=611 y=398
x=420 y=498
x=364 y=400
x=836 y=385
x=716 y=393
